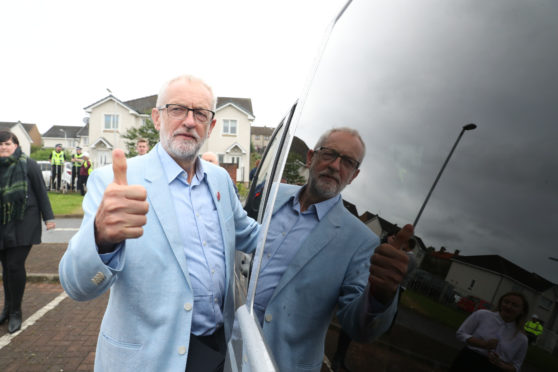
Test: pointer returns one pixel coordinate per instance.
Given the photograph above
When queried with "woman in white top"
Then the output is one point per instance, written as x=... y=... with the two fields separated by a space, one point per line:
x=494 y=341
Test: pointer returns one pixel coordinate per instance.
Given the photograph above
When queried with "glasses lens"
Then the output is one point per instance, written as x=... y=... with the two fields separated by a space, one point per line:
x=329 y=155
x=202 y=116
x=177 y=112
x=332 y=155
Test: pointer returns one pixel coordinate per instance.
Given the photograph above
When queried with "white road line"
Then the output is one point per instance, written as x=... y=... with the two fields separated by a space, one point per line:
x=66 y=229
x=7 y=338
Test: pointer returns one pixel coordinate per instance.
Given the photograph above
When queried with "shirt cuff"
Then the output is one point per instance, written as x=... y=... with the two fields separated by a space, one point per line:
x=112 y=259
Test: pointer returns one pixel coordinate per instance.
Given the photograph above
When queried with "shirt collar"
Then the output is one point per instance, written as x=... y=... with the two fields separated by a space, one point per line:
x=320 y=209
x=173 y=170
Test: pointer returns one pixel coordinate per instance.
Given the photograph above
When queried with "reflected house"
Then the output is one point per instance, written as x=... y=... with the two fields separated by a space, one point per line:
x=384 y=228
x=490 y=276
x=260 y=136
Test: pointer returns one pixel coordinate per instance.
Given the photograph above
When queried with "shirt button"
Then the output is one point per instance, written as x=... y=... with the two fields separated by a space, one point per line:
x=187 y=306
x=182 y=350
x=216 y=300
x=268 y=318
x=204 y=244
x=283 y=233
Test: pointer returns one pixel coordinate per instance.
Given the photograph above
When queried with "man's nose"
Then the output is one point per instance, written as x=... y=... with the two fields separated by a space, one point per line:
x=189 y=121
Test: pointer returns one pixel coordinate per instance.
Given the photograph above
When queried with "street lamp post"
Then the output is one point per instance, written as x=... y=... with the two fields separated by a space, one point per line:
x=65 y=137
x=465 y=127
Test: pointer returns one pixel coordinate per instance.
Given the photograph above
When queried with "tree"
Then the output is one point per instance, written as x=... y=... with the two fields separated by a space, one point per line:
x=291 y=172
x=146 y=130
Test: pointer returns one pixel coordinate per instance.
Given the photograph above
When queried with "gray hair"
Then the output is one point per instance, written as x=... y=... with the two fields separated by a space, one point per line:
x=348 y=130
x=185 y=78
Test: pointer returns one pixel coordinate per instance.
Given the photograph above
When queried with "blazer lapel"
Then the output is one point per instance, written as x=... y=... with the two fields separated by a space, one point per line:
x=317 y=240
x=158 y=193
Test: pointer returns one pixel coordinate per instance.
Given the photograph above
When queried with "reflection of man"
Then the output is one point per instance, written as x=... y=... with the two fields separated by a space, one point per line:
x=142 y=147
x=77 y=161
x=533 y=329
x=168 y=261
x=57 y=163
x=316 y=257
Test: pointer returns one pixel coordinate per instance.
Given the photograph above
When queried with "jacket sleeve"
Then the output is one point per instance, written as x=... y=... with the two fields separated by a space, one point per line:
x=355 y=314
x=83 y=274
x=36 y=182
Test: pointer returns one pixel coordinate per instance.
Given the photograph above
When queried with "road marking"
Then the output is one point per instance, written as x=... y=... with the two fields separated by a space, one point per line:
x=66 y=229
x=7 y=338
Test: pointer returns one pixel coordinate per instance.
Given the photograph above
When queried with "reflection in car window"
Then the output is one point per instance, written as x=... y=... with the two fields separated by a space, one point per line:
x=409 y=86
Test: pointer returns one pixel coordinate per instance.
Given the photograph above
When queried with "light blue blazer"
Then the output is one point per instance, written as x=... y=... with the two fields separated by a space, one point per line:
x=331 y=268
x=146 y=326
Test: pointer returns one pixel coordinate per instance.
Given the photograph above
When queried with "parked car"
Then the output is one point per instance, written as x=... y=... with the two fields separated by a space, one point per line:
x=66 y=178
x=46 y=170
x=410 y=77
x=472 y=303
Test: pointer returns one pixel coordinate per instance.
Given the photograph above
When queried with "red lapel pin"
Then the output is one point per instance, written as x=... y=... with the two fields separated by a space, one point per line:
x=218 y=196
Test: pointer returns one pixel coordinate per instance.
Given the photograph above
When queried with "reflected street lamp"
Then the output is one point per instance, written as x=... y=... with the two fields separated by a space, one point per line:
x=65 y=138
x=465 y=127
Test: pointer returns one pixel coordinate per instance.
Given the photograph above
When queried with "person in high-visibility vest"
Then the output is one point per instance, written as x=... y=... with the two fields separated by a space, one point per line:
x=84 y=173
x=57 y=160
x=77 y=161
x=533 y=329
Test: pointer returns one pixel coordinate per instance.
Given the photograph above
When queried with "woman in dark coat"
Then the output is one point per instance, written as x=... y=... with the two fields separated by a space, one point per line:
x=23 y=200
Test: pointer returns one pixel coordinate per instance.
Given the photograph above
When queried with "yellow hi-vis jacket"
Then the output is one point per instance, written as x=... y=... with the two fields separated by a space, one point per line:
x=535 y=328
x=57 y=158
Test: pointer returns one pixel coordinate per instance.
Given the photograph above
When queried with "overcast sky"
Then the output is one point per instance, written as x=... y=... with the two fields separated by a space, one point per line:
x=60 y=56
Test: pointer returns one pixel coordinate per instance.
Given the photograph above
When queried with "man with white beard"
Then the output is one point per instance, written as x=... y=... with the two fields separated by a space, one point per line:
x=160 y=231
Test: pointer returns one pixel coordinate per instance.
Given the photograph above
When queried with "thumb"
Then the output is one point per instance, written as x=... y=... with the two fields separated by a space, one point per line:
x=403 y=236
x=119 y=167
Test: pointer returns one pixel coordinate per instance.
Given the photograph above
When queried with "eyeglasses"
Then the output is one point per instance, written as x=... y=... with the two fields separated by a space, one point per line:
x=180 y=112
x=331 y=155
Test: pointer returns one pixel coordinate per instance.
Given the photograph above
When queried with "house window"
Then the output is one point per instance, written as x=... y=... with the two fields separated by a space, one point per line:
x=111 y=121
x=229 y=126
x=257 y=137
x=546 y=303
x=221 y=158
x=472 y=284
x=267 y=138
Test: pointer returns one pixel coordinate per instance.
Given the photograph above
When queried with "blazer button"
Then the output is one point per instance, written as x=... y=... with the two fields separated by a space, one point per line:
x=182 y=350
x=187 y=306
x=268 y=318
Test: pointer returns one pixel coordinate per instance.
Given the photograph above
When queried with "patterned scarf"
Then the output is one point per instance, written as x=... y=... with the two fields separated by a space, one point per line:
x=13 y=187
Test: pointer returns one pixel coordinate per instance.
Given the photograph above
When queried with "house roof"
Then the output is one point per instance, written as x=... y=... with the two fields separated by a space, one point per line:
x=8 y=125
x=245 y=104
x=507 y=268
x=142 y=105
x=84 y=131
x=261 y=131
x=57 y=131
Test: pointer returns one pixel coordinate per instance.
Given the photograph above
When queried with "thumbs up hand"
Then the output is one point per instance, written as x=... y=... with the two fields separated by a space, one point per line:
x=389 y=266
x=123 y=209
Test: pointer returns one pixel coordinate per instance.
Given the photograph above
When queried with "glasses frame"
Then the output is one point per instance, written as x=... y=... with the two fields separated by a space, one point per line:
x=344 y=158
x=188 y=109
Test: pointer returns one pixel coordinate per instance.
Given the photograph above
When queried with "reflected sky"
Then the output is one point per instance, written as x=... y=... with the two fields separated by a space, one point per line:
x=409 y=76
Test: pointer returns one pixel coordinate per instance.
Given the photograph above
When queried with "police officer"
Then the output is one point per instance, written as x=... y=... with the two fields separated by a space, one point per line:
x=57 y=161
x=533 y=328
x=77 y=161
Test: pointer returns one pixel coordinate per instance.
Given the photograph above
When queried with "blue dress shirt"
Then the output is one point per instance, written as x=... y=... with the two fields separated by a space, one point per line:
x=203 y=242
x=286 y=233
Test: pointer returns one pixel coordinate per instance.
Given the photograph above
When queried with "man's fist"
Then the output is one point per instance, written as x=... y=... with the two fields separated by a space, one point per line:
x=122 y=212
x=389 y=266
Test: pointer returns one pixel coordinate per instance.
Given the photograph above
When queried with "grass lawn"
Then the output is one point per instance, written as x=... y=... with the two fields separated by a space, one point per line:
x=65 y=204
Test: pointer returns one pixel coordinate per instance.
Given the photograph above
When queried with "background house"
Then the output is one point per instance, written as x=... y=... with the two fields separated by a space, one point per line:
x=110 y=118
x=260 y=138
x=67 y=136
x=21 y=133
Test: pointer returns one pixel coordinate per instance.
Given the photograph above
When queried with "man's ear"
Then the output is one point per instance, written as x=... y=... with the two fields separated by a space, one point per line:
x=211 y=126
x=354 y=176
x=309 y=156
x=156 y=117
